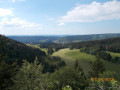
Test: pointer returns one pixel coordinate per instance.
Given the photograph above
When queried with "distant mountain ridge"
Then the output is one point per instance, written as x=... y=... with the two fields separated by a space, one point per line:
x=62 y=38
x=34 y=39
x=80 y=38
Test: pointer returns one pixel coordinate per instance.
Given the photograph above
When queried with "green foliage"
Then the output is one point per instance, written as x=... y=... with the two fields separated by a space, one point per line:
x=12 y=51
x=17 y=51
x=55 y=46
x=94 y=50
x=115 y=57
x=37 y=46
x=3 y=50
x=69 y=56
x=114 y=54
x=79 y=38
x=68 y=76
x=97 y=66
x=76 y=64
x=6 y=73
x=30 y=77
x=52 y=63
x=50 y=51
x=116 y=60
x=111 y=44
x=67 y=88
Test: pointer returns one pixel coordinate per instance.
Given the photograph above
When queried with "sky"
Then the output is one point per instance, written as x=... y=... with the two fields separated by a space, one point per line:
x=59 y=17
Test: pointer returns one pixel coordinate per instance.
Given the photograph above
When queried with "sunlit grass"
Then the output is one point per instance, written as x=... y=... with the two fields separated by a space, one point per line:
x=69 y=56
x=114 y=54
x=37 y=46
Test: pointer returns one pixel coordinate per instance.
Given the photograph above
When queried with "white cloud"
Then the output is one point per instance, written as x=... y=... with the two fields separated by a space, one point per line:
x=5 y=12
x=16 y=24
x=93 y=12
x=61 y=24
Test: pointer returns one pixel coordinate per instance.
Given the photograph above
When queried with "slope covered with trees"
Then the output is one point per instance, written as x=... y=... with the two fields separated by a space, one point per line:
x=34 y=39
x=12 y=56
x=80 y=38
x=26 y=68
x=106 y=44
x=100 y=46
x=30 y=77
x=14 y=51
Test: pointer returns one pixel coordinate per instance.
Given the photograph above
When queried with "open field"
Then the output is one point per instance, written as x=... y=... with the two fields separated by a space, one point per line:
x=36 y=46
x=114 y=54
x=69 y=56
x=62 y=53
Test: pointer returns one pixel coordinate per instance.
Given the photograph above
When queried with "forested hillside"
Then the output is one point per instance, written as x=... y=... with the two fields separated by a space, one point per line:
x=16 y=51
x=29 y=68
x=34 y=39
x=105 y=48
x=80 y=38
x=106 y=44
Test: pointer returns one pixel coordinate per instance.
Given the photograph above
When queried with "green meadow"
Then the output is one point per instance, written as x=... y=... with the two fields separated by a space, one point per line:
x=62 y=53
x=37 y=46
x=114 y=54
x=69 y=56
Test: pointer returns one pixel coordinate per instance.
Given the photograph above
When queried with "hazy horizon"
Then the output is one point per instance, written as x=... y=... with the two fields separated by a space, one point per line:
x=63 y=34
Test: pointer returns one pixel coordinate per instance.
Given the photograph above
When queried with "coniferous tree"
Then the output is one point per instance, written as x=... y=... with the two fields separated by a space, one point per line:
x=50 y=51
x=97 y=66
x=7 y=72
x=30 y=77
x=3 y=49
x=76 y=64
x=68 y=76
x=109 y=57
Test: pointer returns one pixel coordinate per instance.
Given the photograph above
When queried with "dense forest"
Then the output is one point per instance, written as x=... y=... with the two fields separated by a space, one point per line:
x=106 y=44
x=80 y=38
x=25 y=68
x=16 y=51
x=101 y=47
x=92 y=47
x=13 y=53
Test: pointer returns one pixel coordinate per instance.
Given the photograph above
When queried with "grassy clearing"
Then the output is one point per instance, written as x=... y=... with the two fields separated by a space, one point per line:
x=114 y=54
x=113 y=67
x=37 y=46
x=83 y=58
x=44 y=49
x=62 y=53
x=69 y=56
x=33 y=46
